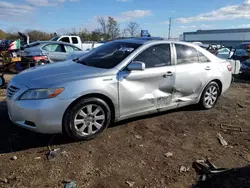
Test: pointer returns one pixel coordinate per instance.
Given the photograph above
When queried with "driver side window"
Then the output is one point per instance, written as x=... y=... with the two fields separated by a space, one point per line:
x=155 y=56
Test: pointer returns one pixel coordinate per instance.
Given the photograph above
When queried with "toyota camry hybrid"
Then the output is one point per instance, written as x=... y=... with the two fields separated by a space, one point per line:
x=119 y=80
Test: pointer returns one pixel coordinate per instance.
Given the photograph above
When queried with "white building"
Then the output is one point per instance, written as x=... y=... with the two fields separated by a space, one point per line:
x=227 y=37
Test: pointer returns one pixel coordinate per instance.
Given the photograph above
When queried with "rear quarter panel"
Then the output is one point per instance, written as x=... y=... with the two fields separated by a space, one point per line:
x=223 y=74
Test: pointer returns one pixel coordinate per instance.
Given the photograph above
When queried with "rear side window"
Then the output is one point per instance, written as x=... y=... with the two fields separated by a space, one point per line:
x=68 y=48
x=186 y=54
x=53 y=48
x=65 y=39
x=74 y=40
x=155 y=56
x=202 y=58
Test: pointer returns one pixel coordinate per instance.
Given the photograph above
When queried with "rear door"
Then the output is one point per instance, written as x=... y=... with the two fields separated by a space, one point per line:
x=150 y=89
x=193 y=71
x=54 y=52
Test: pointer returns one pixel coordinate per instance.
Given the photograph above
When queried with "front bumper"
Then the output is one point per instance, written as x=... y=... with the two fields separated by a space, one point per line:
x=44 y=116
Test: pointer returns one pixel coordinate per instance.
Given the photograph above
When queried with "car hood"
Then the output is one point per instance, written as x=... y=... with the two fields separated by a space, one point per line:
x=56 y=73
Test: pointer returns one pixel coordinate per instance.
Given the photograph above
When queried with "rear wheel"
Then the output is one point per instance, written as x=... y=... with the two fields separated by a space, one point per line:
x=210 y=95
x=87 y=118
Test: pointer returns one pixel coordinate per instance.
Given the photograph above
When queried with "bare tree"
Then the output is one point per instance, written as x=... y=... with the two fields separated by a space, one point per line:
x=103 y=23
x=113 y=28
x=124 y=33
x=133 y=29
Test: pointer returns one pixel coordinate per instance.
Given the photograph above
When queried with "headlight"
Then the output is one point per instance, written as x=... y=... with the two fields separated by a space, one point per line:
x=34 y=94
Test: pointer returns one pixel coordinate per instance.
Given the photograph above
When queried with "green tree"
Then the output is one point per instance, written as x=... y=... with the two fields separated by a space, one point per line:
x=2 y=34
x=95 y=36
x=38 y=35
x=12 y=36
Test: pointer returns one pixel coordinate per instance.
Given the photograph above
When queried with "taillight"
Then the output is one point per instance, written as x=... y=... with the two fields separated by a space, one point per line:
x=39 y=58
x=229 y=68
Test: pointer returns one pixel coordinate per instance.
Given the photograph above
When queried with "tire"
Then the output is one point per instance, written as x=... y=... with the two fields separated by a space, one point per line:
x=80 y=119
x=2 y=81
x=210 y=96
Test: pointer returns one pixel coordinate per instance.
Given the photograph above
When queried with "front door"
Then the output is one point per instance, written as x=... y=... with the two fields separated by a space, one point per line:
x=150 y=89
x=193 y=71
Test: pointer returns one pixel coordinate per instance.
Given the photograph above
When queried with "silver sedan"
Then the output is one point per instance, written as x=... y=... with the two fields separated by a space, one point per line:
x=50 y=51
x=119 y=80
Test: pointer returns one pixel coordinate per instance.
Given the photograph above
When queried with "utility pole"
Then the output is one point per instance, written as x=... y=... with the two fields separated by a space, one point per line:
x=169 y=29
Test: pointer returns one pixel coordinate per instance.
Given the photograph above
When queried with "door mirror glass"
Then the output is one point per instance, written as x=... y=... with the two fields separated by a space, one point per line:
x=136 y=65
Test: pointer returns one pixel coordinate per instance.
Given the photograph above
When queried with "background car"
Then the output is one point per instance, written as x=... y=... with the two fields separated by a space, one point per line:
x=116 y=81
x=49 y=51
x=245 y=68
x=242 y=52
x=224 y=53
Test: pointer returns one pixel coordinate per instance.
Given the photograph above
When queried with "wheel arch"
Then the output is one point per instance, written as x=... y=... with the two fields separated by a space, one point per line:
x=218 y=81
x=96 y=95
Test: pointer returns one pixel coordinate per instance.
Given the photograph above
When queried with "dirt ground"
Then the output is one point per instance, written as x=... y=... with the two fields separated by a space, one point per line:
x=133 y=151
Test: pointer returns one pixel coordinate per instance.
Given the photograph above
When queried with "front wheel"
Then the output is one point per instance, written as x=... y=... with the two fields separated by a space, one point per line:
x=210 y=95
x=87 y=118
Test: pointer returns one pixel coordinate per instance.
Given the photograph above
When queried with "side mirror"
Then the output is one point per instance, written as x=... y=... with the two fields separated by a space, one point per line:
x=136 y=65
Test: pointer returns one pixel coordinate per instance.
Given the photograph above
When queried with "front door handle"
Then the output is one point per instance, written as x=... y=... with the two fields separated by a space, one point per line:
x=207 y=68
x=169 y=73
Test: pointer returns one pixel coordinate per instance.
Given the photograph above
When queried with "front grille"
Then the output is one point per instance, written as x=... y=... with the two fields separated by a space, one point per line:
x=11 y=91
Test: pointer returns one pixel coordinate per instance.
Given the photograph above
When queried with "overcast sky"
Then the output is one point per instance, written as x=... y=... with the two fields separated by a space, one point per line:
x=59 y=15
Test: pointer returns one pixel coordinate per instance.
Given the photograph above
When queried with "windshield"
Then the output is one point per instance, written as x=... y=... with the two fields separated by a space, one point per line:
x=223 y=50
x=54 y=39
x=108 y=55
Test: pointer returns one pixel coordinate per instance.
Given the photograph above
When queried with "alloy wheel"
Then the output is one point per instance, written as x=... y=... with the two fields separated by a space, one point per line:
x=89 y=119
x=211 y=96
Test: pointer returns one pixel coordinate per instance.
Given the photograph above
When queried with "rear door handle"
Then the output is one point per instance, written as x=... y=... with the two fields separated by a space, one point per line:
x=207 y=68
x=169 y=73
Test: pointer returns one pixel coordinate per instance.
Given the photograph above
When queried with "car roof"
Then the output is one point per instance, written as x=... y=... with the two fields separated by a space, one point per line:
x=140 y=40
x=38 y=43
x=54 y=42
x=149 y=40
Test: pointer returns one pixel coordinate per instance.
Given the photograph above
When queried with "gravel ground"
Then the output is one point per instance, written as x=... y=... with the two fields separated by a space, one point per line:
x=132 y=153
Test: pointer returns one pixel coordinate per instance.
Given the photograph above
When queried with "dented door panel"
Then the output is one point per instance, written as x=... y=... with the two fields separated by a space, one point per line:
x=188 y=84
x=190 y=81
x=148 y=90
